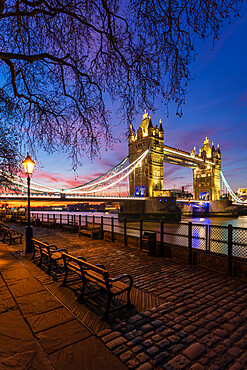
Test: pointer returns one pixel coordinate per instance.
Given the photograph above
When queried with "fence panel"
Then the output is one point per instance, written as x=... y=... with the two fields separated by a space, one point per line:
x=218 y=239
x=199 y=236
x=176 y=234
x=239 y=242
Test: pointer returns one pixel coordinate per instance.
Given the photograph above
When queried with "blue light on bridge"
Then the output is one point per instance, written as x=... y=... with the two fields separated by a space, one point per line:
x=139 y=191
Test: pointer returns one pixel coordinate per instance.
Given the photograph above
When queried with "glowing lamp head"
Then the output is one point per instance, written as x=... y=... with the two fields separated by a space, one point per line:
x=28 y=164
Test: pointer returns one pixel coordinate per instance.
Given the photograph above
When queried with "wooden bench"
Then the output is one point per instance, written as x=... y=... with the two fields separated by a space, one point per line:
x=98 y=276
x=72 y=227
x=11 y=235
x=51 y=223
x=49 y=254
x=91 y=229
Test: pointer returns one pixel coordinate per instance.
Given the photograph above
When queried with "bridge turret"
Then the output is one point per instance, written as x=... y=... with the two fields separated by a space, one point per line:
x=150 y=173
x=131 y=133
x=206 y=177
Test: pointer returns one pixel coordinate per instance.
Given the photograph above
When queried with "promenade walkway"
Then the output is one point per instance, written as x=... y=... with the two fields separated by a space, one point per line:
x=185 y=317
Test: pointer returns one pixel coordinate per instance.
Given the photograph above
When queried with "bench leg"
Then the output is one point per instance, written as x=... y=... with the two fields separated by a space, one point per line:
x=107 y=308
x=65 y=278
x=81 y=296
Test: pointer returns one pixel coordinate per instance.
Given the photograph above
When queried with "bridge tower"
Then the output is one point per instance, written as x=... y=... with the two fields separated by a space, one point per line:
x=206 y=179
x=149 y=175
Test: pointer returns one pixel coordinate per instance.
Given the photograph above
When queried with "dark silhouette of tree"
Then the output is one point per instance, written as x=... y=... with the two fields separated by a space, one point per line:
x=63 y=62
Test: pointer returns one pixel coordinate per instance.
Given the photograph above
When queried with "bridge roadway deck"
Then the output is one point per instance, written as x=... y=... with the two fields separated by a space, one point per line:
x=185 y=317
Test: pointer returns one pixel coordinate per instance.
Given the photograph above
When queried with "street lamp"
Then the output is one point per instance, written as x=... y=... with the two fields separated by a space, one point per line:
x=28 y=164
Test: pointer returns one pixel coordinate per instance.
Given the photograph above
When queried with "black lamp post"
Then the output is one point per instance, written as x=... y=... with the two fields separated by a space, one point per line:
x=28 y=164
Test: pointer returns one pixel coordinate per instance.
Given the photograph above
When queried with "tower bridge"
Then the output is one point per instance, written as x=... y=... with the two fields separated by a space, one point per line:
x=206 y=164
x=141 y=172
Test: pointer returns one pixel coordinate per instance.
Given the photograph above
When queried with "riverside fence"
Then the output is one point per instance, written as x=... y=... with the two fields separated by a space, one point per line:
x=223 y=248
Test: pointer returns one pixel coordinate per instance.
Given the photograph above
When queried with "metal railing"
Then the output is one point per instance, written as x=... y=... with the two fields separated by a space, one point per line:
x=226 y=241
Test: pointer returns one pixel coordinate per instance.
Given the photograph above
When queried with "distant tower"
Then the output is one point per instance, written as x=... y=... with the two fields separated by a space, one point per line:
x=150 y=172
x=206 y=178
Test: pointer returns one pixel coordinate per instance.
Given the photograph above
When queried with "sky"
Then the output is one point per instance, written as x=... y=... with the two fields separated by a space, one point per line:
x=216 y=107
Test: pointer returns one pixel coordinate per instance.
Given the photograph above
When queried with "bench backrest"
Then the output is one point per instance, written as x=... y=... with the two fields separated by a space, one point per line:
x=92 y=225
x=86 y=265
x=40 y=245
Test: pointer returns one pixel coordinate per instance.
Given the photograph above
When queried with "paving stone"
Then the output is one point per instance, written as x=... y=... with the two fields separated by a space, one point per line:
x=135 y=318
x=179 y=362
x=146 y=328
x=194 y=351
x=14 y=331
x=116 y=342
x=25 y=286
x=235 y=351
x=220 y=349
x=237 y=366
x=145 y=366
x=137 y=349
x=147 y=343
x=62 y=335
x=164 y=343
x=243 y=359
x=37 y=303
x=242 y=343
x=161 y=358
x=109 y=337
x=221 y=333
x=152 y=351
x=197 y=367
x=200 y=333
x=79 y=356
x=120 y=349
x=133 y=363
x=156 y=323
x=176 y=348
x=210 y=339
x=125 y=356
x=104 y=332
x=142 y=357
x=25 y=356
x=136 y=340
x=190 y=328
x=49 y=319
x=224 y=360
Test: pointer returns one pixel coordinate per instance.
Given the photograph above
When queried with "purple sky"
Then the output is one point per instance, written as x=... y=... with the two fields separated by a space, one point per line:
x=216 y=107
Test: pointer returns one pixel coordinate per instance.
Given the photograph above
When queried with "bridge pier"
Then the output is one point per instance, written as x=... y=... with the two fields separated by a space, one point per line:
x=164 y=208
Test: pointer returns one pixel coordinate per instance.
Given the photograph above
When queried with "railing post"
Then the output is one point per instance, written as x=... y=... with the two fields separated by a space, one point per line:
x=112 y=229
x=230 y=250
x=79 y=220
x=48 y=216
x=42 y=217
x=190 y=243
x=125 y=232
x=68 y=219
x=162 y=238
x=102 y=226
x=93 y=219
x=86 y=220
x=141 y=230
x=207 y=239
x=60 y=219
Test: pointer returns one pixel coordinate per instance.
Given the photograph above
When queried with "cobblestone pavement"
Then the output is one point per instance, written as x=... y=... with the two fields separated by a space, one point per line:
x=201 y=324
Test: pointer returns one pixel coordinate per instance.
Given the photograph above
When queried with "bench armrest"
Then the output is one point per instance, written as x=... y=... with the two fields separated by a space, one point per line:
x=99 y=265
x=60 y=250
x=81 y=258
x=52 y=246
x=112 y=280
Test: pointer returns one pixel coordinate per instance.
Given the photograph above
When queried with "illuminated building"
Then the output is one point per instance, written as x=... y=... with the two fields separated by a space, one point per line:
x=148 y=176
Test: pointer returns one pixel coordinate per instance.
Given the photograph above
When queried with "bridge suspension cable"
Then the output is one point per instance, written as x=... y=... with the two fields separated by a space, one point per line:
x=101 y=183
x=231 y=192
